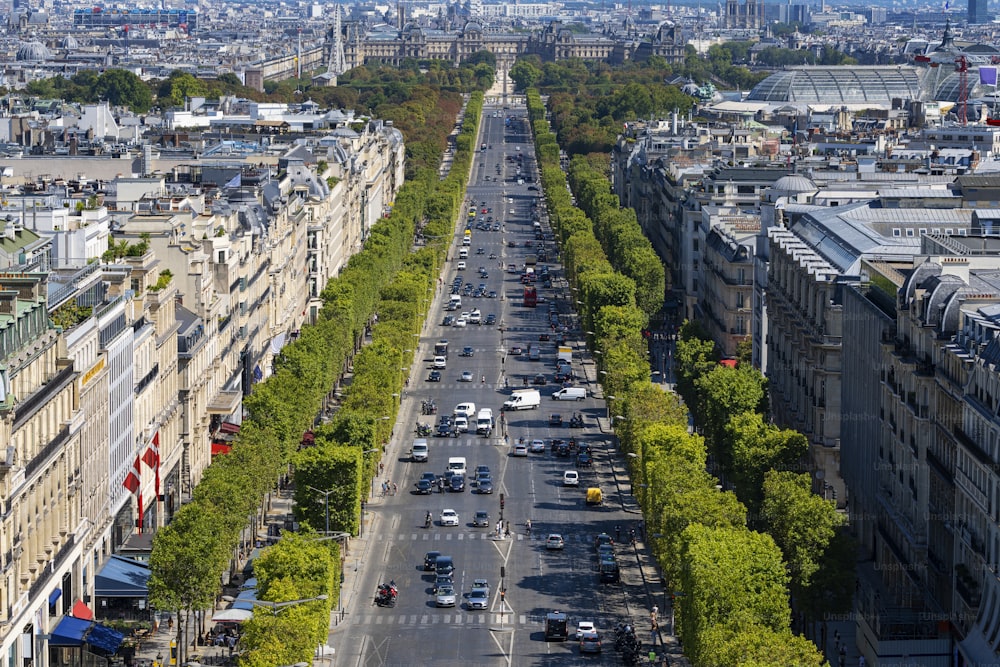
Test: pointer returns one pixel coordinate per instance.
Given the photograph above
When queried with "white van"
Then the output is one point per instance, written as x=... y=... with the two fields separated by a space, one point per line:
x=484 y=421
x=463 y=253
x=476 y=317
x=418 y=452
x=523 y=399
x=457 y=465
x=467 y=410
x=570 y=394
x=455 y=302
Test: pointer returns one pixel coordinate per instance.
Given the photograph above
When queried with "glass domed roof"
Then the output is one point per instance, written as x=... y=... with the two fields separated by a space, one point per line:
x=33 y=51
x=839 y=85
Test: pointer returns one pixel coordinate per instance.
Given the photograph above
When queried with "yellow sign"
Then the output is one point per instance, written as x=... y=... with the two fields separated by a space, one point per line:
x=94 y=370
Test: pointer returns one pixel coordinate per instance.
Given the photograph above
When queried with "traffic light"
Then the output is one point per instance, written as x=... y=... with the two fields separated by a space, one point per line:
x=501 y=501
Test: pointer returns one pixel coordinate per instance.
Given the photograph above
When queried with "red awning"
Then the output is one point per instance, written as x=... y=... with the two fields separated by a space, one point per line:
x=228 y=427
x=221 y=448
x=731 y=363
x=82 y=611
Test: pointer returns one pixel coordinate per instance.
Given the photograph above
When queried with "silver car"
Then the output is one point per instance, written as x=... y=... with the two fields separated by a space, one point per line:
x=445 y=596
x=479 y=598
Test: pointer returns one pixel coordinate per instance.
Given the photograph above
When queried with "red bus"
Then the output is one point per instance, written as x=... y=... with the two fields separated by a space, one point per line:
x=530 y=296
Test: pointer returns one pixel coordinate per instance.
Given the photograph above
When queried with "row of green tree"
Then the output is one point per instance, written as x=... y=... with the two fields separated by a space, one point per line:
x=763 y=464
x=733 y=583
x=589 y=101
x=618 y=230
x=195 y=549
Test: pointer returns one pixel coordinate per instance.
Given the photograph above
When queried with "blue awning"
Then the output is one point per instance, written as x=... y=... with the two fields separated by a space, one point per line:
x=55 y=595
x=245 y=600
x=104 y=638
x=69 y=632
x=122 y=578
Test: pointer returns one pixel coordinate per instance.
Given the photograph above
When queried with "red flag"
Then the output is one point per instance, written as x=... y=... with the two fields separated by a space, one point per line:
x=132 y=478
x=151 y=457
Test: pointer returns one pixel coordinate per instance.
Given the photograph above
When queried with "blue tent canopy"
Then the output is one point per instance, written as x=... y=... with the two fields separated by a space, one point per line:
x=122 y=578
x=73 y=632
x=104 y=638
x=244 y=599
x=70 y=632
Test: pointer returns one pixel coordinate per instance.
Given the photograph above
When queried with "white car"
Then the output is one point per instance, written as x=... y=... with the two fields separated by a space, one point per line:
x=554 y=541
x=449 y=518
x=537 y=446
x=571 y=478
x=585 y=626
x=460 y=266
x=466 y=376
x=520 y=450
x=461 y=425
x=461 y=322
x=440 y=362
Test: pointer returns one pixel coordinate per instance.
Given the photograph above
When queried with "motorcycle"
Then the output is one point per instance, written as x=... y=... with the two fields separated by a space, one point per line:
x=428 y=408
x=386 y=596
x=423 y=429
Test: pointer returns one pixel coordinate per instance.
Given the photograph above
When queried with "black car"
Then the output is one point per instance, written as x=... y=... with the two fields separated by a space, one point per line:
x=485 y=485
x=424 y=487
x=538 y=379
x=435 y=376
x=430 y=560
x=560 y=448
x=448 y=320
x=468 y=351
x=457 y=483
x=585 y=459
x=445 y=431
x=491 y=319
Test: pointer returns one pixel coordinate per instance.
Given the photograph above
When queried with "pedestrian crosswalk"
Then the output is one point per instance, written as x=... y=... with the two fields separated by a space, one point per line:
x=482 y=618
x=484 y=533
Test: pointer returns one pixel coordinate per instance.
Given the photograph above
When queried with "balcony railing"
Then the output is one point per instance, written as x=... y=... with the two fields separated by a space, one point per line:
x=28 y=407
x=54 y=445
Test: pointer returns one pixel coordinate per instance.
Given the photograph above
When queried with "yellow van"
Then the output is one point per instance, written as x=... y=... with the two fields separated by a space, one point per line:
x=594 y=496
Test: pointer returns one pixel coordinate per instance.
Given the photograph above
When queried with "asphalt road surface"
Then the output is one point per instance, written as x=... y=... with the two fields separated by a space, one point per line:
x=511 y=632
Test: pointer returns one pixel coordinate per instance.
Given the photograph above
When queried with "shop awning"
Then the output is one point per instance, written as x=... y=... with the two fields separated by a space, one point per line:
x=224 y=403
x=69 y=632
x=104 y=638
x=55 y=595
x=229 y=427
x=81 y=610
x=245 y=600
x=122 y=578
x=232 y=616
x=221 y=448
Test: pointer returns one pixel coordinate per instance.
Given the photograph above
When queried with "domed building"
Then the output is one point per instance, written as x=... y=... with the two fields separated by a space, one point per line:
x=32 y=52
x=69 y=43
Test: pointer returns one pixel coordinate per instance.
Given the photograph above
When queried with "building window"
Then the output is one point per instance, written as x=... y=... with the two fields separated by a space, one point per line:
x=897 y=233
x=909 y=232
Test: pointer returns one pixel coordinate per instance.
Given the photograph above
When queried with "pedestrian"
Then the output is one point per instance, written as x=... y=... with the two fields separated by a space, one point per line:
x=656 y=610
x=384 y=488
x=506 y=532
x=381 y=467
x=394 y=488
x=642 y=529
x=618 y=533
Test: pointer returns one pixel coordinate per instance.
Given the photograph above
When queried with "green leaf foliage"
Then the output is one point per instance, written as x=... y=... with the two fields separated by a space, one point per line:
x=732 y=578
x=752 y=447
x=803 y=524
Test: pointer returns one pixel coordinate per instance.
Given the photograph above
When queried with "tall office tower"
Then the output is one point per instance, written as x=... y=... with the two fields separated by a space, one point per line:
x=978 y=12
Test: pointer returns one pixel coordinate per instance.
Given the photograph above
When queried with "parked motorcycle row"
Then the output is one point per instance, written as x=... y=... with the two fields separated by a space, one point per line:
x=627 y=643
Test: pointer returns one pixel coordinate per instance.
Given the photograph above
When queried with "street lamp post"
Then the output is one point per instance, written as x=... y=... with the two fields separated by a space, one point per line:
x=326 y=505
x=278 y=607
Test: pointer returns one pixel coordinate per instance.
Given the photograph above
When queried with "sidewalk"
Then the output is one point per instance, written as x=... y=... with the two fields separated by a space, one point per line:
x=656 y=595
